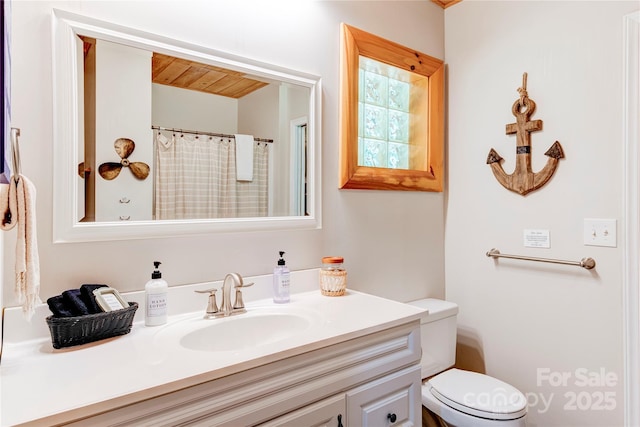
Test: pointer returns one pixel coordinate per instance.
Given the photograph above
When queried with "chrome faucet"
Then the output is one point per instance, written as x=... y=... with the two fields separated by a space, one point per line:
x=226 y=308
x=229 y=279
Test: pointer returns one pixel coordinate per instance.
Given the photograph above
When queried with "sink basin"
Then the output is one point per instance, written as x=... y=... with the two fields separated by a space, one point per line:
x=256 y=327
x=238 y=333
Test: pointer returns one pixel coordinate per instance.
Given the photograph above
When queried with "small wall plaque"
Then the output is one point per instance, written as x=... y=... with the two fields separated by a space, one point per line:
x=536 y=239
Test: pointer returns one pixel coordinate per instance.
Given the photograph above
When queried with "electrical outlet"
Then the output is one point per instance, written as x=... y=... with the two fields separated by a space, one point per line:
x=600 y=232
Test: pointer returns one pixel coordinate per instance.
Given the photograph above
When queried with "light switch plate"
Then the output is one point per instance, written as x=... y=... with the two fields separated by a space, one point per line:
x=600 y=232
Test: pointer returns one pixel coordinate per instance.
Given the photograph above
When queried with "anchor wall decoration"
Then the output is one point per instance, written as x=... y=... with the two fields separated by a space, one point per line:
x=523 y=180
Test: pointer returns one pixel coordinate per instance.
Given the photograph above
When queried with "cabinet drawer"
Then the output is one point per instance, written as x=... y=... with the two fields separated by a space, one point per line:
x=393 y=400
x=329 y=412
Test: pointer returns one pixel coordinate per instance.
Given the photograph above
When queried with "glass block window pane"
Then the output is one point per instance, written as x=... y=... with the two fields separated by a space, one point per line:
x=375 y=153
x=384 y=116
x=398 y=95
x=375 y=121
x=375 y=89
x=398 y=126
x=398 y=156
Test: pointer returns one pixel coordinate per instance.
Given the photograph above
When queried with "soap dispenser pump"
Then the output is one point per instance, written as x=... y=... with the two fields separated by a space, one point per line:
x=281 y=281
x=156 y=291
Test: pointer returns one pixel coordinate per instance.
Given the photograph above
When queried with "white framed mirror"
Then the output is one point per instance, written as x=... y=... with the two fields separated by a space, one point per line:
x=99 y=195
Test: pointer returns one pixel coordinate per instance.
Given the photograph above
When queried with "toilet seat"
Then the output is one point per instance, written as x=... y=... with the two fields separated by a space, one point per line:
x=478 y=395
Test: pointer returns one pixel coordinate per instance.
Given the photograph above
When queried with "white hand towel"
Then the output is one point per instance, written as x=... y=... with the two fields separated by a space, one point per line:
x=244 y=157
x=18 y=206
x=164 y=141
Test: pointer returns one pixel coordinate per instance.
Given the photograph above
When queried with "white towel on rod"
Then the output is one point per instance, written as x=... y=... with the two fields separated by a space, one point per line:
x=18 y=207
x=244 y=157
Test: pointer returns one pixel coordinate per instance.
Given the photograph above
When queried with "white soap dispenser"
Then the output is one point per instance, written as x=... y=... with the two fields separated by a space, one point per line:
x=281 y=281
x=156 y=299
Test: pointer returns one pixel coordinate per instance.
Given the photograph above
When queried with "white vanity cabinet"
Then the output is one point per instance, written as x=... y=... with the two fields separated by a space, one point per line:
x=369 y=380
x=387 y=401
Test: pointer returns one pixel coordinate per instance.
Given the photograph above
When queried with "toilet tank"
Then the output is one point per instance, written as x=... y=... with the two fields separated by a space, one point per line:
x=437 y=335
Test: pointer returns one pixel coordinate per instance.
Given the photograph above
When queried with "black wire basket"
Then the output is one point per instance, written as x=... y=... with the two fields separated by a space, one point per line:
x=77 y=330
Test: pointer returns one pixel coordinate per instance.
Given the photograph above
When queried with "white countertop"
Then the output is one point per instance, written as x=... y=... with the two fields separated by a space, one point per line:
x=43 y=386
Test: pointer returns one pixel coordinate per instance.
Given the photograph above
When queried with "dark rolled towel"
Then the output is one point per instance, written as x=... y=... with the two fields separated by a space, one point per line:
x=74 y=303
x=58 y=307
x=86 y=293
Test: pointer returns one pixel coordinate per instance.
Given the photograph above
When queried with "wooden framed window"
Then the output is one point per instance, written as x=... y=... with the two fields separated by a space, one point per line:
x=391 y=115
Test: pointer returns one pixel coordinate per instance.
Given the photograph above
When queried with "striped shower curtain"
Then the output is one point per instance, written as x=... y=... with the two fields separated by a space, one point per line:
x=196 y=178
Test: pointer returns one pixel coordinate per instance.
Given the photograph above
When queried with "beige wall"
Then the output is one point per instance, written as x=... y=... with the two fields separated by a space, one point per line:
x=523 y=321
x=393 y=242
x=193 y=110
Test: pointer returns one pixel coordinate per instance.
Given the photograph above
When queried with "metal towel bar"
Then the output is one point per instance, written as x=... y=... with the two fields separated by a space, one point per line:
x=586 y=263
x=15 y=151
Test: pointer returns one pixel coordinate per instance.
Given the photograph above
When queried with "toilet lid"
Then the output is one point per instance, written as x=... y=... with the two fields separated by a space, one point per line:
x=478 y=395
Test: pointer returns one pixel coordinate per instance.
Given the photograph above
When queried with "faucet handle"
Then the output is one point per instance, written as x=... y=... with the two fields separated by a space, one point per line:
x=239 y=304
x=212 y=306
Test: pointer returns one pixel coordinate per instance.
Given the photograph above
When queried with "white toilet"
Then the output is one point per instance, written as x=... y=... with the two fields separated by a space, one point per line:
x=461 y=398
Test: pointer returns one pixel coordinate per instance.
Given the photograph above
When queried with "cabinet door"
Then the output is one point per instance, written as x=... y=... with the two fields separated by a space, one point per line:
x=329 y=412
x=393 y=400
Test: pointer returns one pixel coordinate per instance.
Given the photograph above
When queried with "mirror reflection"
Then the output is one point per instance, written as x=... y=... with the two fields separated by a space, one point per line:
x=110 y=127
x=170 y=138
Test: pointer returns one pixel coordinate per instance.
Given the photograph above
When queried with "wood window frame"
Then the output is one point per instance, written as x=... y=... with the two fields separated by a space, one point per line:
x=430 y=177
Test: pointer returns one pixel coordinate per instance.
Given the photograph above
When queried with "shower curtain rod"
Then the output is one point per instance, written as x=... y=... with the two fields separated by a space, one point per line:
x=195 y=132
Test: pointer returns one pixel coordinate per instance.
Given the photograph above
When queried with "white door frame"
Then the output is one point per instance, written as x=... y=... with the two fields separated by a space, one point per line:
x=631 y=294
x=297 y=168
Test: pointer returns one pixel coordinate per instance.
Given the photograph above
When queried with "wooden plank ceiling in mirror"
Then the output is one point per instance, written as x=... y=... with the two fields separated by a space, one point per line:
x=177 y=72
x=185 y=74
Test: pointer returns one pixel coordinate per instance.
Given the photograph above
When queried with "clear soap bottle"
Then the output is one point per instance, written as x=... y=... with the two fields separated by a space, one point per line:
x=281 y=281
x=156 y=291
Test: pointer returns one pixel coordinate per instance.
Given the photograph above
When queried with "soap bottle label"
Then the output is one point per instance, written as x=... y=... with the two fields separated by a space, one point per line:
x=156 y=305
x=281 y=288
x=284 y=283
